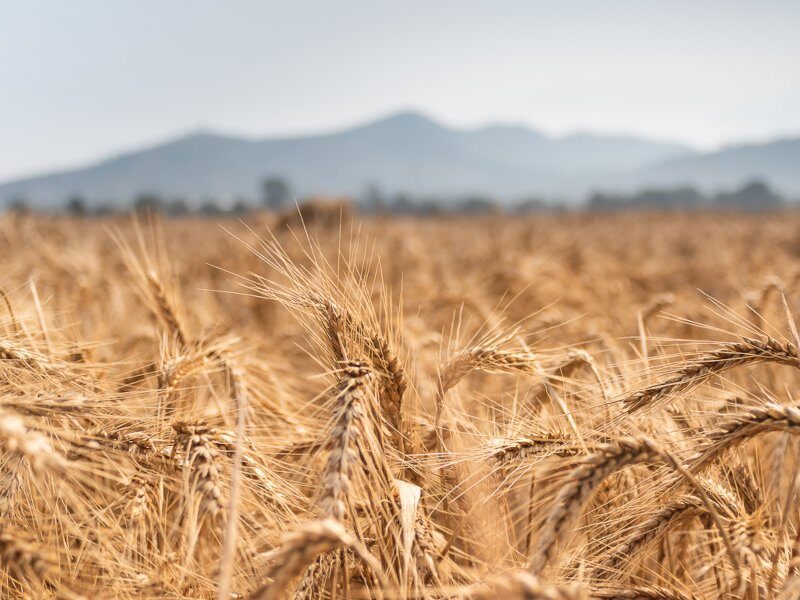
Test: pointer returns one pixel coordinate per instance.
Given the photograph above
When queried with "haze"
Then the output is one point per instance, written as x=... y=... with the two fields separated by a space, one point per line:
x=82 y=79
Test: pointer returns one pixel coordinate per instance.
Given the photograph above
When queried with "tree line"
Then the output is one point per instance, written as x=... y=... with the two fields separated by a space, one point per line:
x=276 y=195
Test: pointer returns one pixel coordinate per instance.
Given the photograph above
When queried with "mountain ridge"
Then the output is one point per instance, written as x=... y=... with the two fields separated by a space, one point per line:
x=407 y=152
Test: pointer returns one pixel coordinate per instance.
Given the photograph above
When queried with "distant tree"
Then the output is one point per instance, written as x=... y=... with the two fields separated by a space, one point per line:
x=688 y=196
x=683 y=197
x=76 y=206
x=275 y=193
x=531 y=205
x=240 y=207
x=210 y=208
x=177 y=207
x=148 y=202
x=104 y=210
x=427 y=207
x=374 y=201
x=753 y=196
x=19 y=206
x=601 y=201
x=476 y=205
x=650 y=198
x=401 y=204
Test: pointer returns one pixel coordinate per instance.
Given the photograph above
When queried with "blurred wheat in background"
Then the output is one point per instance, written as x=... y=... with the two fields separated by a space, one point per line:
x=575 y=406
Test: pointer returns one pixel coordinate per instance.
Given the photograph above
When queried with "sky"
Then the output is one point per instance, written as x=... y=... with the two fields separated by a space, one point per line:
x=83 y=79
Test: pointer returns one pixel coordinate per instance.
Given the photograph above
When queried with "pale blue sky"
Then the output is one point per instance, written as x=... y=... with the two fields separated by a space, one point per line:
x=82 y=78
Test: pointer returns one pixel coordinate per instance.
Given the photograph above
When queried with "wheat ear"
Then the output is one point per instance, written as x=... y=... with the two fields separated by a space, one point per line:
x=581 y=484
x=744 y=352
x=301 y=547
x=650 y=529
x=755 y=421
x=339 y=323
x=165 y=310
x=521 y=586
x=642 y=592
x=28 y=561
x=517 y=450
x=32 y=446
x=200 y=459
x=591 y=472
x=347 y=429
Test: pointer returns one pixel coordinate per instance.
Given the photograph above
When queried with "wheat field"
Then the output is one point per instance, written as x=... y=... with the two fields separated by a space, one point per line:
x=552 y=407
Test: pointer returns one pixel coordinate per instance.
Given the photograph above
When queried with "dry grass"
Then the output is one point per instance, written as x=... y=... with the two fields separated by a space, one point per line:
x=427 y=409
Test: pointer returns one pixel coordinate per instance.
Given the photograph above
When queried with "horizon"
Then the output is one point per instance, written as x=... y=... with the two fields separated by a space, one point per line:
x=212 y=131
x=86 y=80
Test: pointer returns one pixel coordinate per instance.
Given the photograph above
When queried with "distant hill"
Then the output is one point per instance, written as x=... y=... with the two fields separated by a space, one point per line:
x=407 y=153
x=776 y=162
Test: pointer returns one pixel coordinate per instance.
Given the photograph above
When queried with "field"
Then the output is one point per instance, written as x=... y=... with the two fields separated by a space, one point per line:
x=553 y=407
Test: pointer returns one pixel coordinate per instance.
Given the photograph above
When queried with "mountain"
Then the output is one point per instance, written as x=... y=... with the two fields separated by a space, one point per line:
x=408 y=153
x=776 y=162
